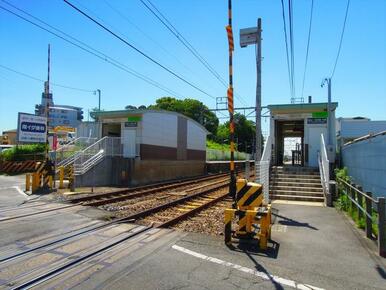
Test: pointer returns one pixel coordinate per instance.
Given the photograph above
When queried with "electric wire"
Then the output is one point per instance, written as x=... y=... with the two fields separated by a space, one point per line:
x=127 y=19
x=138 y=50
x=341 y=38
x=92 y=51
x=308 y=46
x=286 y=46
x=41 y=80
x=163 y=19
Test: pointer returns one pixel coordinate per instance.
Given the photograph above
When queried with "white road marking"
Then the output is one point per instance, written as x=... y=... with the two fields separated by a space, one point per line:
x=20 y=191
x=262 y=275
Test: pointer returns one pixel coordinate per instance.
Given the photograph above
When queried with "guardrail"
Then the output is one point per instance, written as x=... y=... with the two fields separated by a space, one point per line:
x=324 y=170
x=364 y=206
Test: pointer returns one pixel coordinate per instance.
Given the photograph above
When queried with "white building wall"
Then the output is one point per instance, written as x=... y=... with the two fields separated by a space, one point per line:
x=359 y=128
x=366 y=163
x=159 y=129
x=196 y=137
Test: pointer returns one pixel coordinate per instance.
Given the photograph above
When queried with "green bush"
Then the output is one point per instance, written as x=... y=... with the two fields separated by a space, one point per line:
x=24 y=152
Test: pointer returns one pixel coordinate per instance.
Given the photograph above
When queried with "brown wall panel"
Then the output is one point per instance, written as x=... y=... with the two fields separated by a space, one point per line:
x=196 y=154
x=153 y=152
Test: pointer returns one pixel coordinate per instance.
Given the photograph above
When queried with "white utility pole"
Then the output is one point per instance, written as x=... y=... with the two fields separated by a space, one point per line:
x=249 y=36
x=258 y=93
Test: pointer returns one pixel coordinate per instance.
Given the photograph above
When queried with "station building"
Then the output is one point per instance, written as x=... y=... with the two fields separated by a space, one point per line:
x=305 y=122
x=155 y=145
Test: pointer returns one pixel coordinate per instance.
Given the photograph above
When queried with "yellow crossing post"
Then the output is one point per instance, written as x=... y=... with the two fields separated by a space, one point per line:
x=27 y=182
x=61 y=177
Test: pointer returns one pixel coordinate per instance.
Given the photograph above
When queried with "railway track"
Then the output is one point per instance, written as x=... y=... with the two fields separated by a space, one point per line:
x=160 y=216
x=126 y=194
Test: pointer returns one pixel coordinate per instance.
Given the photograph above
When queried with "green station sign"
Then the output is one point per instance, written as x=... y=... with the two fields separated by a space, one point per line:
x=319 y=114
x=134 y=118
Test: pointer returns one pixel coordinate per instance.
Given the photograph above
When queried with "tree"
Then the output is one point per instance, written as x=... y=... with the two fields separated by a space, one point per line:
x=244 y=133
x=130 y=107
x=191 y=108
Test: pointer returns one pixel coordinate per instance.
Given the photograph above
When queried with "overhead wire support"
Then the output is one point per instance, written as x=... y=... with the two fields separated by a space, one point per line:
x=341 y=39
x=162 y=18
x=89 y=49
x=308 y=46
x=138 y=50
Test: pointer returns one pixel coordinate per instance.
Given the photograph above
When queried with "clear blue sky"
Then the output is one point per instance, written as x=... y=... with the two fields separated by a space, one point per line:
x=359 y=84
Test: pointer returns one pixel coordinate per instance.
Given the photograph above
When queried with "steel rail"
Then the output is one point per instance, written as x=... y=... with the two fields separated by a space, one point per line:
x=155 y=209
x=193 y=211
x=123 y=196
x=36 y=213
x=60 y=269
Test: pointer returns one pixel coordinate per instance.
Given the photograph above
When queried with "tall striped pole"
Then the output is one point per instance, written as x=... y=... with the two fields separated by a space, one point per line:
x=232 y=185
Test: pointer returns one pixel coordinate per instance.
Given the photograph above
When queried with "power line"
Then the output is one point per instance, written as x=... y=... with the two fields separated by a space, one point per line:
x=162 y=18
x=286 y=46
x=91 y=50
x=341 y=38
x=308 y=46
x=40 y=80
x=138 y=50
x=124 y=17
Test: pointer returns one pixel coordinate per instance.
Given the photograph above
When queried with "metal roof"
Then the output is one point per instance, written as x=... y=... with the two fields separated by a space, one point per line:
x=127 y=113
x=300 y=108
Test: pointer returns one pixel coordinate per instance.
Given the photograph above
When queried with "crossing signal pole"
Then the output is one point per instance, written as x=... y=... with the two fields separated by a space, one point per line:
x=232 y=185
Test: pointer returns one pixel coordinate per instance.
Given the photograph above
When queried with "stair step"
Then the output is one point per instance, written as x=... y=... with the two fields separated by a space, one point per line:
x=296 y=197
x=295 y=169
x=291 y=183
x=299 y=176
x=296 y=192
x=295 y=180
x=297 y=188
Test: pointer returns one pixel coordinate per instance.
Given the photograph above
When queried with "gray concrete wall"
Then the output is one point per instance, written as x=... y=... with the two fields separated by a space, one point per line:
x=119 y=171
x=112 y=171
x=149 y=171
x=366 y=163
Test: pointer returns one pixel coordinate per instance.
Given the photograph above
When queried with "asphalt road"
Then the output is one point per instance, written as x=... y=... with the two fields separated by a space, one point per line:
x=11 y=193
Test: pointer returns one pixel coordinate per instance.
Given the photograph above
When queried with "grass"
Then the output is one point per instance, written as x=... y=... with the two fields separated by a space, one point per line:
x=343 y=203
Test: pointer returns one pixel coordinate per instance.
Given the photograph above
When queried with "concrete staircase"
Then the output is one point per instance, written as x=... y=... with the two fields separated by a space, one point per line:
x=295 y=183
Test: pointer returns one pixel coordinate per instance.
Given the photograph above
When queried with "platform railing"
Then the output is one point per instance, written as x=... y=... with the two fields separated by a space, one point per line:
x=324 y=170
x=262 y=168
x=362 y=206
x=66 y=154
x=95 y=153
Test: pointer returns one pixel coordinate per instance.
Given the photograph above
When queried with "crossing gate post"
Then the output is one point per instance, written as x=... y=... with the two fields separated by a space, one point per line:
x=61 y=177
x=27 y=182
x=254 y=218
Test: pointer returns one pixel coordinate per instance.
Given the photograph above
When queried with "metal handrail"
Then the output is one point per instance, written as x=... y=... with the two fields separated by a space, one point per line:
x=356 y=189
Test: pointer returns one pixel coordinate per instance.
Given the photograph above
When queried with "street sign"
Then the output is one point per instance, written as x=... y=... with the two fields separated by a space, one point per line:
x=31 y=128
x=248 y=36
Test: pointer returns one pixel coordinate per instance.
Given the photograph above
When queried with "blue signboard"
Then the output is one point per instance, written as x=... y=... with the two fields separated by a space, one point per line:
x=31 y=128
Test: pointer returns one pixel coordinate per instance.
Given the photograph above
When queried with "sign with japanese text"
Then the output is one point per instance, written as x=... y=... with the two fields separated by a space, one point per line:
x=31 y=128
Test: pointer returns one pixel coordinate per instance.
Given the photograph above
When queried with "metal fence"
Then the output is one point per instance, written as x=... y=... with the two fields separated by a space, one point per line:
x=215 y=154
x=324 y=170
x=262 y=176
x=365 y=207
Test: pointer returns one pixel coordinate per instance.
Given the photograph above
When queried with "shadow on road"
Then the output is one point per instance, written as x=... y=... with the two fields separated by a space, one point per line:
x=292 y=223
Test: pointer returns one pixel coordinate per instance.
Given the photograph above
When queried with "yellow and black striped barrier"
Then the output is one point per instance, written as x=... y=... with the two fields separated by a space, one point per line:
x=254 y=218
x=41 y=179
